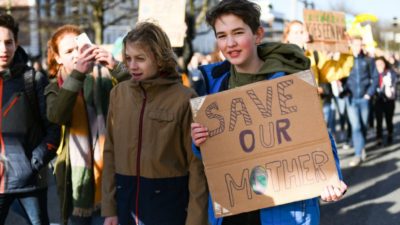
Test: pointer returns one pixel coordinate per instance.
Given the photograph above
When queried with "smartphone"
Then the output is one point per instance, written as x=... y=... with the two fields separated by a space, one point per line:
x=82 y=40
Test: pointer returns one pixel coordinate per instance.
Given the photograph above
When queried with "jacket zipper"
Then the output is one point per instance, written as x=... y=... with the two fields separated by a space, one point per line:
x=2 y=148
x=358 y=78
x=10 y=106
x=138 y=153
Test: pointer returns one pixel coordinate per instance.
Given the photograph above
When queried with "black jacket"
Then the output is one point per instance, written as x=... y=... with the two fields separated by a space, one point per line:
x=28 y=140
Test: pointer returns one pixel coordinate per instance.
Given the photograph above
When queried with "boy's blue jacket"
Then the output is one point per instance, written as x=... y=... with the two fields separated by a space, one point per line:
x=363 y=78
x=216 y=77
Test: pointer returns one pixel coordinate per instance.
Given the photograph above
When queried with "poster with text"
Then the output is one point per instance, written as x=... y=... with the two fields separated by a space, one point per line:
x=268 y=144
x=326 y=30
x=170 y=15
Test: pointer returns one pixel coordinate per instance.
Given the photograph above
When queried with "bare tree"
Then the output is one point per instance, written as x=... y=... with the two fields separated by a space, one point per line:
x=100 y=8
x=88 y=14
x=342 y=7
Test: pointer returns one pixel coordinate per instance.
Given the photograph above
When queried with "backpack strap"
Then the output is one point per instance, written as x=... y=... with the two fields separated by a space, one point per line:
x=30 y=91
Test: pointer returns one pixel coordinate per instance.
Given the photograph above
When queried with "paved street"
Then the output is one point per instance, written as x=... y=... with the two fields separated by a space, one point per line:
x=53 y=207
x=373 y=197
x=374 y=188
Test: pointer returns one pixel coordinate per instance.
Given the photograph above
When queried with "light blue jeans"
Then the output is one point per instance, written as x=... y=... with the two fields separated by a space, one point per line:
x=30 y=206
x=329 y=115
x=357 y=111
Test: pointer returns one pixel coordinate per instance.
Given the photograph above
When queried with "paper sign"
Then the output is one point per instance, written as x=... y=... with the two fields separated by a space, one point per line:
x=16 y=3
x=268 y=144
x=170 y=15
x=327 y=30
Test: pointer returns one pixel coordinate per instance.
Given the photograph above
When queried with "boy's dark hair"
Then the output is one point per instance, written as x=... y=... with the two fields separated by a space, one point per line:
x=248 y=11
x=8 y=22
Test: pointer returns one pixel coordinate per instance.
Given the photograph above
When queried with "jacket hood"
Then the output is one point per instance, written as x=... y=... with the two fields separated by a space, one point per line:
x=19 y=62
x=153 y=87
x=286 y=58
x=158 y=81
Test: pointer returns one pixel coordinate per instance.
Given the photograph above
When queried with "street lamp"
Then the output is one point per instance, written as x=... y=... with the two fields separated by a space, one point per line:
x=395 y=34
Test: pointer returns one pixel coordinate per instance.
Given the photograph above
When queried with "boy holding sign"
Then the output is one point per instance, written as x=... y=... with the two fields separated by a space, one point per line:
x=236 y=24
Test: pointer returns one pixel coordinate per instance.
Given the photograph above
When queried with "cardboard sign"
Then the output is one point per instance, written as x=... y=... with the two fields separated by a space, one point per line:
x=268 y=144
x=16 y=3
x=327 y=30
x=170 y=15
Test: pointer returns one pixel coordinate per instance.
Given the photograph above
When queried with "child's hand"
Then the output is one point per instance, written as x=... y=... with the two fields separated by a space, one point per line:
x=112 y=220
x=199 y=133
x=332 y=194
x=105 y=58
x=85 y=59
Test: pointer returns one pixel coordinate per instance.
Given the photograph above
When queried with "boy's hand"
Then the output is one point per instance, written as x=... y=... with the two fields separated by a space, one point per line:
x=199 y=133
x=320 y=90
x=332 y=194
x=112 y=220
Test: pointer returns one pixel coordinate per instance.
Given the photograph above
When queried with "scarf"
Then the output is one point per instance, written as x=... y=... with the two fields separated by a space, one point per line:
x=86 y=136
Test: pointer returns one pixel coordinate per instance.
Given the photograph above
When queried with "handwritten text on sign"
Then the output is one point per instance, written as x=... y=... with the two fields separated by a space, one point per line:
x=238 y=110
x=268 y=144
x=327 y=30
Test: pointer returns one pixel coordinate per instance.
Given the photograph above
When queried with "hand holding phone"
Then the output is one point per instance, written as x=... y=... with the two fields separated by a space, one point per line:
x=86 y=58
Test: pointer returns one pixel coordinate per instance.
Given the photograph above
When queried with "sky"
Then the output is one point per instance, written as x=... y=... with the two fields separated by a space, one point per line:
x=385 y=10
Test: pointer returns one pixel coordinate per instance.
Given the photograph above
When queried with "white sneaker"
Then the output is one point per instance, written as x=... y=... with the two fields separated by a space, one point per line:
x=346 y=146
x=355 y=161
x=363 y=154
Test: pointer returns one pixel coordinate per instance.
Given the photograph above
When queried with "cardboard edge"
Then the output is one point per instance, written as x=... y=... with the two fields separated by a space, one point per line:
x=308 y=76
x=220 y=211
x=196 y=103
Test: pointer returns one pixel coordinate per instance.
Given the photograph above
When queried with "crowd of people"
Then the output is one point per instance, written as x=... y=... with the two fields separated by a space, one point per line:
x=357 y=89
x=122 y=135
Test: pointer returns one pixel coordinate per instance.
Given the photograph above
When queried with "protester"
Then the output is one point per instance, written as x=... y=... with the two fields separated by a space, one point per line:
x=360 y=86
x=150 y=175
x=295 y=33
x=196 y=78
x=236 y=24
x=331 y=70
x=37 y=65
x=28 y=140
x=340 y=105
x=385 y=99
x=78 y=100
